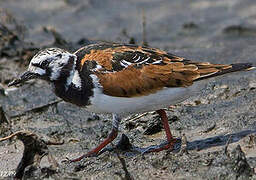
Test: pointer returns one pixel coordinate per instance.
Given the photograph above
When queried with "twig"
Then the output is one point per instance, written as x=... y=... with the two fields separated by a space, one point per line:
x=137 y=117
x=35 y=148
x=124 y=167
x=10 y=136
x=144 y=38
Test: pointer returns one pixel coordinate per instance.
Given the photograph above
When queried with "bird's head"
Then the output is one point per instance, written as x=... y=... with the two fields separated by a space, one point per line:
x=50 y=64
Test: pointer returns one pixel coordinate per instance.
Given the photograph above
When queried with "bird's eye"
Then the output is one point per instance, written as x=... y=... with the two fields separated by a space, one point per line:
x=44 y=64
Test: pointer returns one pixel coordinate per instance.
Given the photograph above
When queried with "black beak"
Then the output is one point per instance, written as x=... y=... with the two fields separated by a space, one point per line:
x=23 y=78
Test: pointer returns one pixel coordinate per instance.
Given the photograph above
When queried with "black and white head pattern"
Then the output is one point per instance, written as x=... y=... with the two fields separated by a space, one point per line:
x=55 y=64
x=49 y=63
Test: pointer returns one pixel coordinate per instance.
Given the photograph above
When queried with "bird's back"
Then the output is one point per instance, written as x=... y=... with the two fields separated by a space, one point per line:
x=130 y=70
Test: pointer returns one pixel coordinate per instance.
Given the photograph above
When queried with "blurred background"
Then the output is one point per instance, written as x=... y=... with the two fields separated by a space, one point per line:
x=219 y=31
x=177 y=25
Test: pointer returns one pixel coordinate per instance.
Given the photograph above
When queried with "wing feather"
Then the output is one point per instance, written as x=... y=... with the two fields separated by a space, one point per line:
x=129 y=70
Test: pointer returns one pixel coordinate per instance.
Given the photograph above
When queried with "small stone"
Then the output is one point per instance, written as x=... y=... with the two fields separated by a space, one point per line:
x=252 y=85
x=93 y=118
x=190 y=25
x=173 y=119
x=130 y=125
x=197 y=102
x=154 y=127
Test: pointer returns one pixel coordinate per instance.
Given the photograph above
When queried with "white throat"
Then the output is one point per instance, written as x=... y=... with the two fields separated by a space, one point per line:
x=77 y=80
x=74 y=78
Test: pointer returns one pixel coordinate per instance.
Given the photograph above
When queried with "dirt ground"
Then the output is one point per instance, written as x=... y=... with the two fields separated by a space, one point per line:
x=219 y=123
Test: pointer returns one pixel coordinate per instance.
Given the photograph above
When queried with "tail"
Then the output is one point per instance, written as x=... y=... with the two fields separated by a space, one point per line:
x=223 y=69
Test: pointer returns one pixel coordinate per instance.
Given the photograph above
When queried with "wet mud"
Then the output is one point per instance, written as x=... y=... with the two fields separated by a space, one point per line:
x=216 y=128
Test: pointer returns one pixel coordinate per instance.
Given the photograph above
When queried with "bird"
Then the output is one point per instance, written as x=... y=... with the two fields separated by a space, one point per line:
x=122 y=79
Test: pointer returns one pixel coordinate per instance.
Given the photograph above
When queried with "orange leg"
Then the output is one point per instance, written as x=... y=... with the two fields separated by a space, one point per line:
x=96 y=150
x=109 y=139
x=170 y=140
x=116 y=120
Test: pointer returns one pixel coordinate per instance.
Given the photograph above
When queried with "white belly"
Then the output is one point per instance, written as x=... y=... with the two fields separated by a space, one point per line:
x=101 y=103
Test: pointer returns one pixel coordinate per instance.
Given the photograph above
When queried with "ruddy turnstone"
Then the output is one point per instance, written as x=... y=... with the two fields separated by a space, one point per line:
x=122 y=79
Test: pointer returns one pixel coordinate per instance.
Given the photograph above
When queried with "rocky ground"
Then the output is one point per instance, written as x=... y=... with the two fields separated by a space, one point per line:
x=217 y=126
